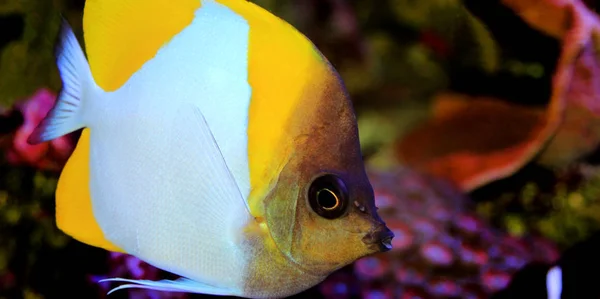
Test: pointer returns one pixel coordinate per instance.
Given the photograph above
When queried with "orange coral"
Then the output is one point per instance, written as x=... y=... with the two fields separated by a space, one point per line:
x=475 y=141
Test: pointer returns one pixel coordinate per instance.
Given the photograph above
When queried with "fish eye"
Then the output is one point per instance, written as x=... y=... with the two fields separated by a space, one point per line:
x=328 y=196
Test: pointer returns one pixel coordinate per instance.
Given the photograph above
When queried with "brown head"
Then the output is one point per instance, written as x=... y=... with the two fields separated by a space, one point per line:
x=320 y=209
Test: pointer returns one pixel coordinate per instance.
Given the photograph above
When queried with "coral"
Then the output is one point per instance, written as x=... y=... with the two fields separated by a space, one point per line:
x=50 y=155
x=509 y=135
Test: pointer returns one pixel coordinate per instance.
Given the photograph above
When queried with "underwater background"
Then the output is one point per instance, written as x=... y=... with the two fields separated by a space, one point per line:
x=479 y=122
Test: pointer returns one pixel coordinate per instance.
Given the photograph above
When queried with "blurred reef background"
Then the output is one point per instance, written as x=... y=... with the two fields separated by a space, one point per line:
x=479 y=121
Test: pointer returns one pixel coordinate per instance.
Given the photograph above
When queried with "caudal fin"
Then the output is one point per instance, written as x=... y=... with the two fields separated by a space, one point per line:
x=66 y=117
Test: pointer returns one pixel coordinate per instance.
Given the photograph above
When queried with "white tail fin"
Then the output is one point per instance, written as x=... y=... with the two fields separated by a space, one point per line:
x=65 y=116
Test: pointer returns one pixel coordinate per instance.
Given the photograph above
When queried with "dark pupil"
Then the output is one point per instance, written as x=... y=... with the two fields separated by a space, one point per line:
x=327 y=199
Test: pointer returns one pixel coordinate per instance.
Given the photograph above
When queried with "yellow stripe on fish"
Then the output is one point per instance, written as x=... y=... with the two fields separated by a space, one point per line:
x=122 y=35
x=74 y=214
x=282 y=63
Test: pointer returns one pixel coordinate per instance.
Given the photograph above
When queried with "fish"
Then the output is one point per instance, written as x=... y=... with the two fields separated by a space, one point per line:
x=217 y=143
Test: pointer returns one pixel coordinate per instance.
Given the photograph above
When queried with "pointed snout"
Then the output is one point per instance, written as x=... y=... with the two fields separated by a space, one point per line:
x=379 y=238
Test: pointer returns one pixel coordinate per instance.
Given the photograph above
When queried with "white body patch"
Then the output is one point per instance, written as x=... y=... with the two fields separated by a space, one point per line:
x=156 y=192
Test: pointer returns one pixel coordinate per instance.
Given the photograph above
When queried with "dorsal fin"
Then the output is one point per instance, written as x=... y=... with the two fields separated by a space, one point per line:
x=121 y=35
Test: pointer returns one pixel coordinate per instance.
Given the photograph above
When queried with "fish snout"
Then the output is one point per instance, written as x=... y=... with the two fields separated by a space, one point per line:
x=379 y=238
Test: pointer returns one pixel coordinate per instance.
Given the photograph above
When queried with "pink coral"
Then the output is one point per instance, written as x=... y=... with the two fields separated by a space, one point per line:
x=47 y=156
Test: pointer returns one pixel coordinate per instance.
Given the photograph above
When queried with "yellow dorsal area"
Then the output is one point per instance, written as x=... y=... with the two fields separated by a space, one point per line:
x=281 y=62
x=74 y=214
x=120 y=36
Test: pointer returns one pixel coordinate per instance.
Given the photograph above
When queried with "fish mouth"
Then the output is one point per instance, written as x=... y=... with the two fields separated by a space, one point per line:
x=379 y=239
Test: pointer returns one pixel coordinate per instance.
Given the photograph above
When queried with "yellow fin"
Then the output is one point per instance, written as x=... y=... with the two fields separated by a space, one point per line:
x=282 y=63
x=74 y=214
x=121 y=35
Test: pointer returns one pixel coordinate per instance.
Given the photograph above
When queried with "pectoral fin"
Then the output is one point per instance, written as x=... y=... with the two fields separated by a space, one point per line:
x=203 y=216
